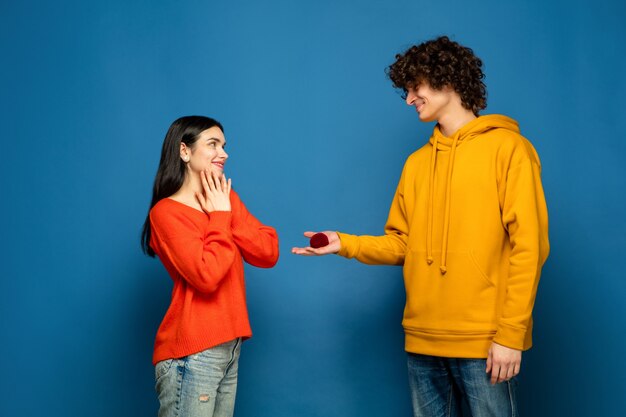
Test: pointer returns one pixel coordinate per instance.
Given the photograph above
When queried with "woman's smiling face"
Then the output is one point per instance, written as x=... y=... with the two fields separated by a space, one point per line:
x=207 y=152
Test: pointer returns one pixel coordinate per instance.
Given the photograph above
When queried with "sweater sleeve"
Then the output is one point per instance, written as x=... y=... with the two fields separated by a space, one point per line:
x=202 y=258
x=258 y=243
x=525 y=216
x=388 y=249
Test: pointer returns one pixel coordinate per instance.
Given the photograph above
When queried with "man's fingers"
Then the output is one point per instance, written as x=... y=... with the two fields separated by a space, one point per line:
x=504 y=370
x=309 y=251
x=495 y=372
x=309 y=234
x=516 y=369
x=489 y=362
x=510 y=372
x=303 y=251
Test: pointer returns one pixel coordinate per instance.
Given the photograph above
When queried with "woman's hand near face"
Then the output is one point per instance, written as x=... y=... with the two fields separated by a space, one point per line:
x=215 y=194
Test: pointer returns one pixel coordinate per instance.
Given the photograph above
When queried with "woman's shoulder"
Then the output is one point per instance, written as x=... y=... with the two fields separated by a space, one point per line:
x=164 y=207
x=168 y=211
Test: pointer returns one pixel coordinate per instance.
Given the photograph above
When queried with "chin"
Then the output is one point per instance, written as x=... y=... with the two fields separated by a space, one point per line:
x=426 y=118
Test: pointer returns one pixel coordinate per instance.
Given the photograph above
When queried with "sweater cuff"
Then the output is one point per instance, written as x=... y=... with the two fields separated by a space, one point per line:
x=220 y=220
x=511 y=337
x=349 y=245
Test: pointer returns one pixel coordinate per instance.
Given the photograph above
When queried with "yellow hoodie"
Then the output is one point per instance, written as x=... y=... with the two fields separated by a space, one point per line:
x=470 y=225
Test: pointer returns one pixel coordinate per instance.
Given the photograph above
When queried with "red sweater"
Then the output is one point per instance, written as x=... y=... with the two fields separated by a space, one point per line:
x=204 y=256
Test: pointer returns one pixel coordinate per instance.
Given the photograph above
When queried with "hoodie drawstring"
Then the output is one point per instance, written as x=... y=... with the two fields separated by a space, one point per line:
x=431 y=192
x=446 y=219
x=431 y=208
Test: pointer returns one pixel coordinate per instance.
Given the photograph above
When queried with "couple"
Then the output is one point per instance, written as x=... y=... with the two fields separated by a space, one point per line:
x=468 y=222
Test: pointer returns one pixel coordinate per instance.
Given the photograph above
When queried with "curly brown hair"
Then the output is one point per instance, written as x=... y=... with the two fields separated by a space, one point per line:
x=441 y=62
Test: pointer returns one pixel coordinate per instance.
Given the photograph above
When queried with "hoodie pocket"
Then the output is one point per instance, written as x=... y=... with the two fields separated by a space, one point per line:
x=461 y=301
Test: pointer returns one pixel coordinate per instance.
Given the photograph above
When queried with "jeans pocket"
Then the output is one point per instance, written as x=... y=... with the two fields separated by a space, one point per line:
x=162 y=368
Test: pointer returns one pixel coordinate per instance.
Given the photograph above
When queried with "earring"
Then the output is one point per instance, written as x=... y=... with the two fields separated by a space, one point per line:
x=186 y=158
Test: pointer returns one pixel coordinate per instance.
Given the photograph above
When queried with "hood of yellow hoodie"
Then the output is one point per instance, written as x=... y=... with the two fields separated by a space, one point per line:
x=472 y=129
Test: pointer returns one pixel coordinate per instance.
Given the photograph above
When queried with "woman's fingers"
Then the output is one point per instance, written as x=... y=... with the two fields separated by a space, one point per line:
x=206 y=182
x=227 y=184
x=215 y=195
x=205 y=203
x=212 y=182
x=222 y=183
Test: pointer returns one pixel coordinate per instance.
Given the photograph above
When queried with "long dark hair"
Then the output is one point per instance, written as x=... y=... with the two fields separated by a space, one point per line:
x=172 y=170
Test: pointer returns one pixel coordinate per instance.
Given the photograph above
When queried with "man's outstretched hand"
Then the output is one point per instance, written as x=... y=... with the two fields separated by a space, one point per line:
x=334 y=244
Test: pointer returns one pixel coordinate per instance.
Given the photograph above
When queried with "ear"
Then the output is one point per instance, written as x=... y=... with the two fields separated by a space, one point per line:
x=184 y=152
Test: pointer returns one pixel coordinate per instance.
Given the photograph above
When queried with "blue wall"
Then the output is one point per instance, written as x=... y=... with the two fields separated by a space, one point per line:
x=317 y=139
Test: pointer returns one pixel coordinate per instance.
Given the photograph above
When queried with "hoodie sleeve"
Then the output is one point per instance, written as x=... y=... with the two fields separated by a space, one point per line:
x=202 y=259
x=525 y=217
x=388 y=249
x=258 y=243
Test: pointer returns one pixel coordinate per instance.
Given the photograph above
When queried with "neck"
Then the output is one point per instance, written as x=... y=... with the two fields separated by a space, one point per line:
x=187 y=192
x=454 y=120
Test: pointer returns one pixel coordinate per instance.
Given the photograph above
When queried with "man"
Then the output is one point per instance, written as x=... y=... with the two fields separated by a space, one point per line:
x=469 y=223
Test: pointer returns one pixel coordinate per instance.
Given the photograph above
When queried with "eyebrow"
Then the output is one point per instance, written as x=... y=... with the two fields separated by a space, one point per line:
x=217 y=140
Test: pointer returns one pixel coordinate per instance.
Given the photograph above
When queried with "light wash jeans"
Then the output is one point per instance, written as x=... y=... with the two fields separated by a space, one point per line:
x=203 y=384
x=438 y=385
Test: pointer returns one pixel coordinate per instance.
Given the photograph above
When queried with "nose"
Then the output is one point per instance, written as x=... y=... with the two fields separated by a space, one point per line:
x=410 y=97
x=223 y=153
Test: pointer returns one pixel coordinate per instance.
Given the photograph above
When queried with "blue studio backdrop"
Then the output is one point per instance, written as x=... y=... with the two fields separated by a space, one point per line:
x=317 y=138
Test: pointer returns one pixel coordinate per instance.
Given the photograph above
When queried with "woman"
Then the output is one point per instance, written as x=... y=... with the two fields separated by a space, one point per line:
x=201 y=231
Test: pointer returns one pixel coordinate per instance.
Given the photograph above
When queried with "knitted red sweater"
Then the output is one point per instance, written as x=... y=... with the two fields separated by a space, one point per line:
x=203 y=255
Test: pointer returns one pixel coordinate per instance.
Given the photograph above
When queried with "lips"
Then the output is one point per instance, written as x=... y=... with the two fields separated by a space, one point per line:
x=219 y=164
x=419 y=105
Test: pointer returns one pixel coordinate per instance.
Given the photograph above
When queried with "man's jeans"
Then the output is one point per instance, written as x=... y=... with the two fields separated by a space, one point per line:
x=202 y=384
x=439 y=385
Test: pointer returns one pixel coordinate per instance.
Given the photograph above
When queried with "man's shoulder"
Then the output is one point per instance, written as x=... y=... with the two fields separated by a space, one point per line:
x=424 y=151
x=503 y=137
x=508 y=140
x=511 y=145
x=420 y=157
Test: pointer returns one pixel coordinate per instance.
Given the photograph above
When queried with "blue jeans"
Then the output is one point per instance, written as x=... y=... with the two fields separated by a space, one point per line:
x=438 y=385
x=202 y=384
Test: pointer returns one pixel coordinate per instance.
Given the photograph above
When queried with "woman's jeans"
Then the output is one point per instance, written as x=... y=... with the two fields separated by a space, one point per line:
x=202 y=384
x=438 y=386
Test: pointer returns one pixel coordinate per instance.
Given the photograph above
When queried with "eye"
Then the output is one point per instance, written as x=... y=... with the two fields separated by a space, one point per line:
x=212 y=144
